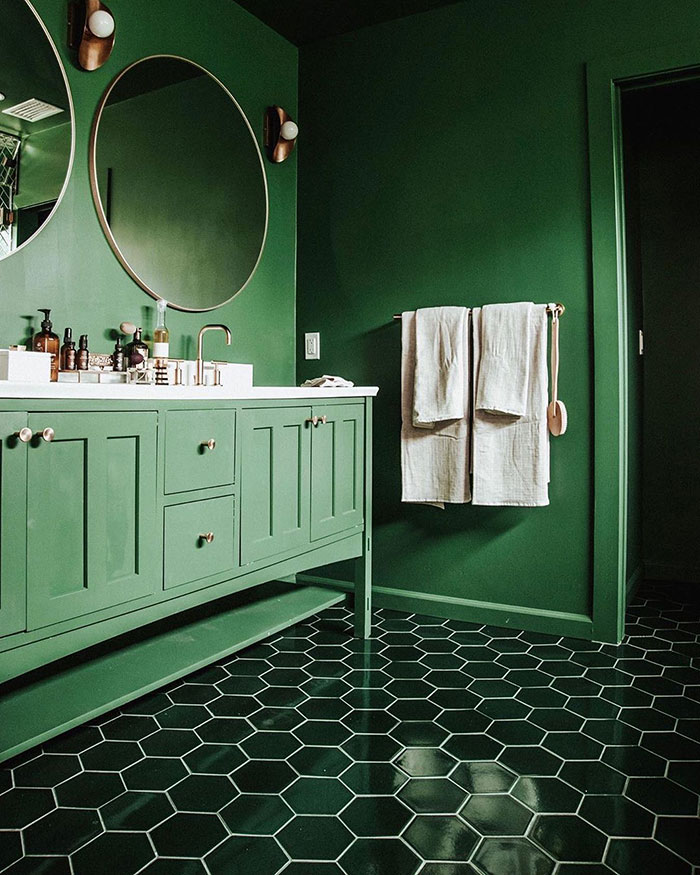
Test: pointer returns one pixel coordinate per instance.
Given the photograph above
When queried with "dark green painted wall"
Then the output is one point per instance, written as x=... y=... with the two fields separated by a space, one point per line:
x=664 y=131
x=70 y=266
x=444 y=161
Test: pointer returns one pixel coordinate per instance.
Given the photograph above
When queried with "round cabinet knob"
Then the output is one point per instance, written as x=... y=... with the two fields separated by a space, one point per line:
x=24 y=434
x=210 y=444
x=207 y=536
x=48 y=434
x=323 y=420
x=313 y=420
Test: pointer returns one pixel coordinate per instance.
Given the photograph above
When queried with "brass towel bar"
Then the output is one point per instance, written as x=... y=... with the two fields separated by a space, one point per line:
x=558 y=309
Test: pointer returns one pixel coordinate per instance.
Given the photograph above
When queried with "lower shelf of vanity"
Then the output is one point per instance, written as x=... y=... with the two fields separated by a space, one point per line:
x=67 y=693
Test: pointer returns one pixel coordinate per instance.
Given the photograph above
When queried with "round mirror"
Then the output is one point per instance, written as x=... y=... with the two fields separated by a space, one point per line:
x=179 y=183
x=36 y=126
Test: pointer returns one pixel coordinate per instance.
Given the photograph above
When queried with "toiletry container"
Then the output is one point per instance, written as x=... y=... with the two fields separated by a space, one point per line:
x=46 y=341
x=21 y=366
x=68 y=352
x=161 y=345
x=136 y=347
x=118 y=356
x=83 y=355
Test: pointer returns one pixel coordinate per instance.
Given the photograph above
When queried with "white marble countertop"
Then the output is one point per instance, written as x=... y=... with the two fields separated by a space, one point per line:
x=132 y=392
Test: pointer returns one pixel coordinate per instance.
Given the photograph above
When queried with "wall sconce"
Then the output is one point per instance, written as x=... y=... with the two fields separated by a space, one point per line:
x=91 y=32
x=280 y=134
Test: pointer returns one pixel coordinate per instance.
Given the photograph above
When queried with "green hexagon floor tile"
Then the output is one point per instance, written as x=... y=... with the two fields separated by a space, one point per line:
x=438 y=748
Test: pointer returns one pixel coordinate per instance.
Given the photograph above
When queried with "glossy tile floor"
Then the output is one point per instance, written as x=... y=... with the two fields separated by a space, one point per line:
x=441 y=748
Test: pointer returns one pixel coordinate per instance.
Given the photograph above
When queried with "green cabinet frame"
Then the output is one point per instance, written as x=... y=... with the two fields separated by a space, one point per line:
x=337 y=469
x=13 y=531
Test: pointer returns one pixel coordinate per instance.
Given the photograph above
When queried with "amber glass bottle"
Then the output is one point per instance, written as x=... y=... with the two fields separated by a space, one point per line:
x=46 y=341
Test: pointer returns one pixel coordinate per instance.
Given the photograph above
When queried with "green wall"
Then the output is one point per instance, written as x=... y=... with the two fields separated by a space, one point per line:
x=70 y=266
x=443 y=160
x=664 y=134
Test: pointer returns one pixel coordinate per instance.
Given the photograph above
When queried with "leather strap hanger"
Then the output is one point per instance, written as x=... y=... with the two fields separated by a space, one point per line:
x=556 y=411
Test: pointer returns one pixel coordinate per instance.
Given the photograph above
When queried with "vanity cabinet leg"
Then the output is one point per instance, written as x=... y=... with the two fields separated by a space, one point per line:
x=363 y=591
x=363 y=564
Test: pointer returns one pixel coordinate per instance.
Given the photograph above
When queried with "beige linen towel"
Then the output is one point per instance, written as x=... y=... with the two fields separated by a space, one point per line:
x=510 y=454
x=434 y=462
x=441 y=369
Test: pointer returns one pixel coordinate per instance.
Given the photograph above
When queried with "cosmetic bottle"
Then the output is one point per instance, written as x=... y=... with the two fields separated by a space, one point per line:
x=46 y=341
x=118 y=356
x=136 y=347
x=161 y=346
x=83 y=355
x=68 y=351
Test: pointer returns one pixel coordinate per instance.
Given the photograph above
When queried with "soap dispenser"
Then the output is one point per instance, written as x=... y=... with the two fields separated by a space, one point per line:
x=46 y=341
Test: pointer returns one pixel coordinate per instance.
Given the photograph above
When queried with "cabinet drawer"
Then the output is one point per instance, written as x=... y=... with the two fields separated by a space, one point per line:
x=188 y=555
x=199 y=448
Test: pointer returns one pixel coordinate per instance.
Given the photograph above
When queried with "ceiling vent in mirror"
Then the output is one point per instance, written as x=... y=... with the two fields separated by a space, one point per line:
x=32 y=110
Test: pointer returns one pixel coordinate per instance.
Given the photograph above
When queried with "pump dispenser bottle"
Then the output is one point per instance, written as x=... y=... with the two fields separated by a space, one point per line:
x=46 y=341
x=68 y=351
x=83 y=355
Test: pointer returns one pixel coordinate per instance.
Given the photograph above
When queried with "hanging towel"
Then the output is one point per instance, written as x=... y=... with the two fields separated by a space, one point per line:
x=505 y=359
x=510 y=452
x=434 y=461
x=441 y=371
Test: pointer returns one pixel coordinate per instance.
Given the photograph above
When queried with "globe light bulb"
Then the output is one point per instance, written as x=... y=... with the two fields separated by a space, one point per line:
x=289 y=131
x=101 y=24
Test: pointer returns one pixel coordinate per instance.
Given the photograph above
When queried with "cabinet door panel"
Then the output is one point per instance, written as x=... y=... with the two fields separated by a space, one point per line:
x=13 y=532
x=337 y=469
x=91 y=538
x=274 y=481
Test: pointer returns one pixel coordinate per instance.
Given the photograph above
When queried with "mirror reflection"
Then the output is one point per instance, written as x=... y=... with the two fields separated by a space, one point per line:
x=35 y=126
x=179 y=183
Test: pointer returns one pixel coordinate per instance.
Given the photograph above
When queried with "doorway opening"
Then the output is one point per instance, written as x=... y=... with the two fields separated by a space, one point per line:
x=660 y=139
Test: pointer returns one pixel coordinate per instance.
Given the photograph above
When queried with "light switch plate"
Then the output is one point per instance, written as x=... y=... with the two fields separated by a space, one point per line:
x=312 y=345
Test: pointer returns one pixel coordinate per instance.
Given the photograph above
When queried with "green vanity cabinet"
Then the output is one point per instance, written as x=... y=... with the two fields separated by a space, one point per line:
x=337 y=469
x=275 y=481
x=13 y=497
x=144 y=539
x=91 y=500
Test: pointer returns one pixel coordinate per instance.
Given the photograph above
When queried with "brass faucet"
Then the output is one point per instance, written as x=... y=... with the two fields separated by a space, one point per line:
x=202 y=332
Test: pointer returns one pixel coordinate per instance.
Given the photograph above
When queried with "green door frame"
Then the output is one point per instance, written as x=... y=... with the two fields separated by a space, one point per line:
x=606 y=78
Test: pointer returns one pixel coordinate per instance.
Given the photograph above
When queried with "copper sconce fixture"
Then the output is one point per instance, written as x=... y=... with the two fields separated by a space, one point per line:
x=280 y=134
x=91 y=32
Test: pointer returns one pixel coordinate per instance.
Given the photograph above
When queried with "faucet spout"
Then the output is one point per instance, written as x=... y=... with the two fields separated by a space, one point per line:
x=200 y=337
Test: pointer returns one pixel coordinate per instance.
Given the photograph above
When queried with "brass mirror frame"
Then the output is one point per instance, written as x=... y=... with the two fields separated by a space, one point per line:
x=101 y=215
x=71 y=156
